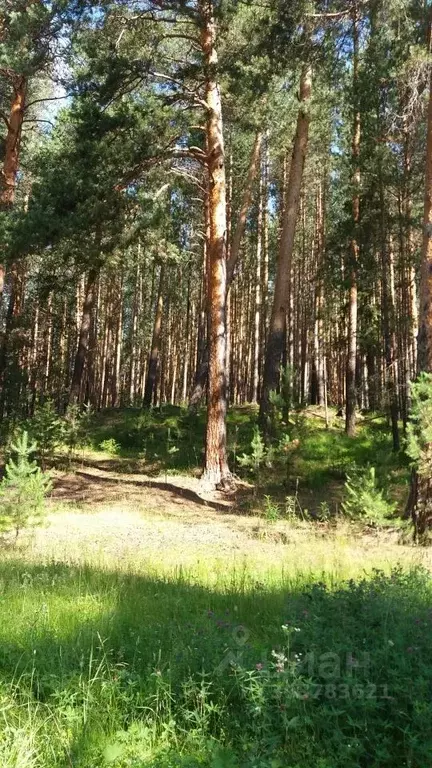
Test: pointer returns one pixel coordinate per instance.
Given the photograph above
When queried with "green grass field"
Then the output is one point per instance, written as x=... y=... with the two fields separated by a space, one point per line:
x=144 y=628
x=217 y=667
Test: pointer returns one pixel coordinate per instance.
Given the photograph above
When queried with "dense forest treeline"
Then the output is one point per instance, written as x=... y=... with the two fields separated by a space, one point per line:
x=218 y=200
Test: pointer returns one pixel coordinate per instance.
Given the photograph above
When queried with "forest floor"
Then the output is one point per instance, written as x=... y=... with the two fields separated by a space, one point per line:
x=125 y=518
x=147 y=625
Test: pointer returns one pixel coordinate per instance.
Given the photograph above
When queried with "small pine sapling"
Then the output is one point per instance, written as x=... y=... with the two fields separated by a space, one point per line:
x=364 y=499
x=75 y=428
x=23 y=489
x=46 y=428
x=256 y=458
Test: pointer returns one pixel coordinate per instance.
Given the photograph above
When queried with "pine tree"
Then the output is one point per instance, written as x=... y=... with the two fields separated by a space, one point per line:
x=23 y=489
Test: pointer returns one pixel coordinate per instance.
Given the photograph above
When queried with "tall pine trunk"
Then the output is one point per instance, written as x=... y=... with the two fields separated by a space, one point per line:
x=12 y=151
x=420 y=501
x=216 y=471
x=234 y=253
x=277 y=326
x=351 y=367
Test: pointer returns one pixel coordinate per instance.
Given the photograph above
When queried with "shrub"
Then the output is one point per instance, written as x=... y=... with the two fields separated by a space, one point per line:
x=255 y=460
x=23 y=489
x=46 y=429
x=110 y=446
x=76 y=427
x=364 y=499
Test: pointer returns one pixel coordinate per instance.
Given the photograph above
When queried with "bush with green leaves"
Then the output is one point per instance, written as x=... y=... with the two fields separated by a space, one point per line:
x=110 y=446
x=23 y=489
x=364 y=499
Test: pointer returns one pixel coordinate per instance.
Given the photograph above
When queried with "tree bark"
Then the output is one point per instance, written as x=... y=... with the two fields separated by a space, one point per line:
x=351 y=391
x=258 y=297
x=84 y=335
x=244 y=208
x=420 y=500
x=319 y=358
x=277 y=326
x=152 y=368
x=203 y=360
x=216 y=471
x=12 y=151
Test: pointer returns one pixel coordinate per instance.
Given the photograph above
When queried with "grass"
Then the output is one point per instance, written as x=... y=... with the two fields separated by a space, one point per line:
x=307 y=648
x=213 y=667
x=170 y=440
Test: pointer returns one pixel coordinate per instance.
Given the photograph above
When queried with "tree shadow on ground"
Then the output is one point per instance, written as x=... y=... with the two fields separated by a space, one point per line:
x=299 y=674
x=97 y=488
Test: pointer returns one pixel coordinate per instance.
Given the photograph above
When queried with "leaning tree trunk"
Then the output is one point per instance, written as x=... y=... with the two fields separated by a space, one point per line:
x=153 y=363
x=277 y=325
x=216 y=471
x=420 y=500
x=351 y=366
x=84 y=336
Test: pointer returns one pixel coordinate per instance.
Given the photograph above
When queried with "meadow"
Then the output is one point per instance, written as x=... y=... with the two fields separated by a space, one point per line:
x=146 y=625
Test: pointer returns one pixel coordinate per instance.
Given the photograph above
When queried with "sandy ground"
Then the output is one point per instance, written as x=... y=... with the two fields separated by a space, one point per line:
x=128 y=520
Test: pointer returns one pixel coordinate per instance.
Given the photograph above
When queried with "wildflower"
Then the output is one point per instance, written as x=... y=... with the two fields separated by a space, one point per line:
x=259 y=667
x=280 y=660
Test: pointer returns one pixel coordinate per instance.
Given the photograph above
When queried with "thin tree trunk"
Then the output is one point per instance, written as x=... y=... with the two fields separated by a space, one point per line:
x=388 y=321
x=48 y=355
x=351 y=393
x=258 y=298
x=265 y=258
x=244 y=208
x=187 y=340
x=202 y=356
x=319 y=361
x=277 y=327
x=116 y=387
x=84 y=336
x=153 y=363
x=134 y=328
